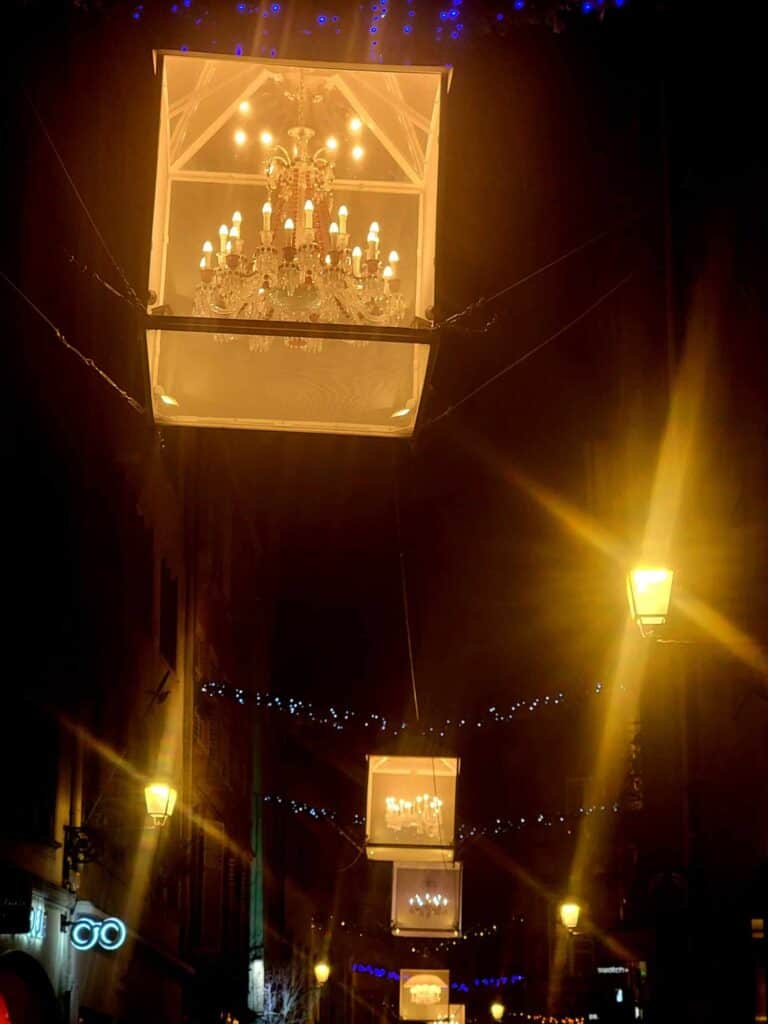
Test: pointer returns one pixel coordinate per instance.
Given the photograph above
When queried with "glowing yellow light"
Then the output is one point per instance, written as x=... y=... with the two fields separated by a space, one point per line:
x=570 y=911
x=203 y=263
x=405 y=411
x=357 y=153
x=394 y=256
x=355 y=124
x=497 y=1010
x=322 y=972
x=240 y=137
x=245 y=107
x=309 y=205
x=237 y=218
x=374 y=229
x=168 y=399
x=648 y=592
x=266 y=138
x=388 y=273
x=289 y=225
x=159 y=796
x=331 y=143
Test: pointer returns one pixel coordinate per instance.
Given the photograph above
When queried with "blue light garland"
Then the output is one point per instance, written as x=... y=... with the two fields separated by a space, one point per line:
x=385 y=973
x=341 y=718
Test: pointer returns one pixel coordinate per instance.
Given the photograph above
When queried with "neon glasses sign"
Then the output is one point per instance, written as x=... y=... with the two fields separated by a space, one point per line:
x=87 y=932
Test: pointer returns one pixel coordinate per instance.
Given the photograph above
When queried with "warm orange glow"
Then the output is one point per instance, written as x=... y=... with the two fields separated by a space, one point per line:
x=357 y=153
x=241 y=137
x=570 y=911
x=161 y=801
x=331 y=143
x=355 y=124
x=266 y=138
x=648 y=591
x=245 y=107
x=497 y=1010
x=322 y=972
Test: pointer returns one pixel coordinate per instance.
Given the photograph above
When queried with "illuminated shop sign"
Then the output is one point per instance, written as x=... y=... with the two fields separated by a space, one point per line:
x=37 y=921
x=88 y=932
x=613 y=970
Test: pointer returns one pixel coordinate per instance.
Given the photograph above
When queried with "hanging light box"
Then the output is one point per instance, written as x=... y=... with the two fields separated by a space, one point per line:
x=411 y=808
x=426 y=900
x=293 y=244
x=424 y=995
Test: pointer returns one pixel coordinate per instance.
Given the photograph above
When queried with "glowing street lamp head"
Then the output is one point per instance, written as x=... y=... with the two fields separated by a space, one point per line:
x=497 y=1010
x=570 y=911
x=649 y=590
x=322 y=972
x=161 y=801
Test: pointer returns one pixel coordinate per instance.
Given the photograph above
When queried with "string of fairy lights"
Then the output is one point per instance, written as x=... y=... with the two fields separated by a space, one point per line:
x=341 y=718
x=403 y=28
x=465 y=832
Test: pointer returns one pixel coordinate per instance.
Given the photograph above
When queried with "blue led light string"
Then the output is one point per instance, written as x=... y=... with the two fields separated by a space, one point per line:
x=340 y=718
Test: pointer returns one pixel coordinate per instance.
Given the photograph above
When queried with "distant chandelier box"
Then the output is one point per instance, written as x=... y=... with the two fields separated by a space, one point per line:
x=424 y=995
x=411 y=808
x=293 y=244
x=426 y=900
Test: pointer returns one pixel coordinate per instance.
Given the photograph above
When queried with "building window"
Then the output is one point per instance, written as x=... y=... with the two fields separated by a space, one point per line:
x=169 y=614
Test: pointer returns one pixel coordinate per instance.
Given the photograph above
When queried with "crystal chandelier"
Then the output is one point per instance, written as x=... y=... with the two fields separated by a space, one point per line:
x=421 y=816
x=303 y=266
x=427 y=904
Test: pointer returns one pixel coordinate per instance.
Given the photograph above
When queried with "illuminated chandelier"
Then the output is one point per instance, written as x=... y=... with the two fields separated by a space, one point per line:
x=304 y=267
x=421 y=816
x=427 y=904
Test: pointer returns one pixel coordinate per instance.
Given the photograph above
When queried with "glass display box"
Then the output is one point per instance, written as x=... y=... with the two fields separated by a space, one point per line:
x=411 y=808
x=424 y=995
x=292 y=269
x=426 y=900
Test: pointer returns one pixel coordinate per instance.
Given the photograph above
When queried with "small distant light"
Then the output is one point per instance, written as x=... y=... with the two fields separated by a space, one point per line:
x=453 y=14
x=187 y=3
x=519 y=5
x=184 y=48
x=239 y=50
x=273 y=53
x=335 y=18
x=240 y=137
x=407 y=29
x=321 y=19
x=454 y=34
x=355 y=124
x=331 y=143
x=245 y=107
x=275 y=8
x=241 y=7
x=266 y=138
x=136 y=15
x=586 y=7
x=174 y=8
x=373 y=29
x=499 y=17
x=357 y=153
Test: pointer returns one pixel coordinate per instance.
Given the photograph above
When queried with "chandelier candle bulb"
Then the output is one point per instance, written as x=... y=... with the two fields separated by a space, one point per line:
x=333 y=235
x=394 y=262
x=387 y=275
x=374 y=229
x=288 y=227
x=372 y=250
x=208 y=253
x=266 y=212
x=206 y=270
x=237 y=219
x=309 y=210
x=223 y=235
x=343 y=214
x=357 y=260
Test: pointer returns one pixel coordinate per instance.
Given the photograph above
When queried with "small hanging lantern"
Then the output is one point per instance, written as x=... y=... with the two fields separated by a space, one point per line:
x=411 y=808
x=424 y=995
x=570 y=911
x=426 y=900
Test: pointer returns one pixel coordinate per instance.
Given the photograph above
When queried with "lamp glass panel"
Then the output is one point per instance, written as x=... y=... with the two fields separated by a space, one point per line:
x=650 y=590
x=411 y=807
x=426 y=900
x=313 y=385
x=424 y=995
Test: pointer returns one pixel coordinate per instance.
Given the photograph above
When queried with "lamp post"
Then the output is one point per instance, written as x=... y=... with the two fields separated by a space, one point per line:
x=322 y=972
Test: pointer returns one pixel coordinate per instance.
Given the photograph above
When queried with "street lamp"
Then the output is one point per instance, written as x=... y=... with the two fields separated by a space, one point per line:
x=322 y=972
x=570 y=911
x=497 y=1010
x=161 y=800
x=648 y=591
